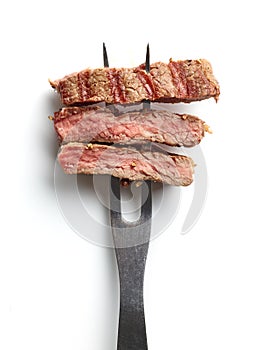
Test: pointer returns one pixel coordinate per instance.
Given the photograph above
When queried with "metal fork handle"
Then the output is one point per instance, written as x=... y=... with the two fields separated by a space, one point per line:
x=131 y=242
x=132 y=328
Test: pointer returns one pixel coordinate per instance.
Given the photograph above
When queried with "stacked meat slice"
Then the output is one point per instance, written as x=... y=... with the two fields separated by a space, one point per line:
x=126 y=163
x=180 y=81
x=94 y=140
x=97 y=124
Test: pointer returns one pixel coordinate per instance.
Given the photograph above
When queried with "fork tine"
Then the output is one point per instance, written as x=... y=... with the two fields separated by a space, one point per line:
x=147 y=64
x=146 y=196
x=115 y=203
x=106 y=62
x=146 y=103
x=146 y=202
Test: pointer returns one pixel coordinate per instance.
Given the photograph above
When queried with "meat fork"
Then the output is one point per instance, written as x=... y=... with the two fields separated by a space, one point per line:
x=131 y=241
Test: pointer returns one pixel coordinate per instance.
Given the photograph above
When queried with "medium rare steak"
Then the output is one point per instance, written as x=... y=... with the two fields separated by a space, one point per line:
x=124 y=162
x=176 y=81
x=97 y=124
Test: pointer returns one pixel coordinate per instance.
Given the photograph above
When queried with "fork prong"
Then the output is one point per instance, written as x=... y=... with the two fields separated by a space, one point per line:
x=146 y=196
x=146 y=103
x=147 y=64
x=115 y=202
x=106 y=63
x=146 y=202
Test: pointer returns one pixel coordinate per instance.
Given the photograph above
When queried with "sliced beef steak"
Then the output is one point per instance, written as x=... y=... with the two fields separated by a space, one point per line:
x=176 y=81
x=97 y=124
x=123 y=162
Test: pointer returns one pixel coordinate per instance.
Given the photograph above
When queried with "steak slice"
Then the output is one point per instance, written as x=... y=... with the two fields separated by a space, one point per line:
x=176 y=81
x=97 y=124
x=124 y=162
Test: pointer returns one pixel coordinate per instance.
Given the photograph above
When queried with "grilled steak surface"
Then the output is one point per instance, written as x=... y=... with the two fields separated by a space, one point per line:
x=97 y=124
x=176 y=81
x=124 y=162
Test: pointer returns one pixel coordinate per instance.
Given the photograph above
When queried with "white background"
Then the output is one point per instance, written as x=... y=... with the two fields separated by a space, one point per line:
x=203 y=290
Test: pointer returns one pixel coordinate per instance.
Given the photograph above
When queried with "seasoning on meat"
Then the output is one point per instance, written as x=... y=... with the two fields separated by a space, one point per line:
x=176 y=81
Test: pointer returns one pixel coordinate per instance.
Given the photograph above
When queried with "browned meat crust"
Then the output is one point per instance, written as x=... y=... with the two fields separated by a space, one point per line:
x=176 y=81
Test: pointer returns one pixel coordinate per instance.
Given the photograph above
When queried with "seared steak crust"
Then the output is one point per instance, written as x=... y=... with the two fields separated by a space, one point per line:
x=176 y=81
